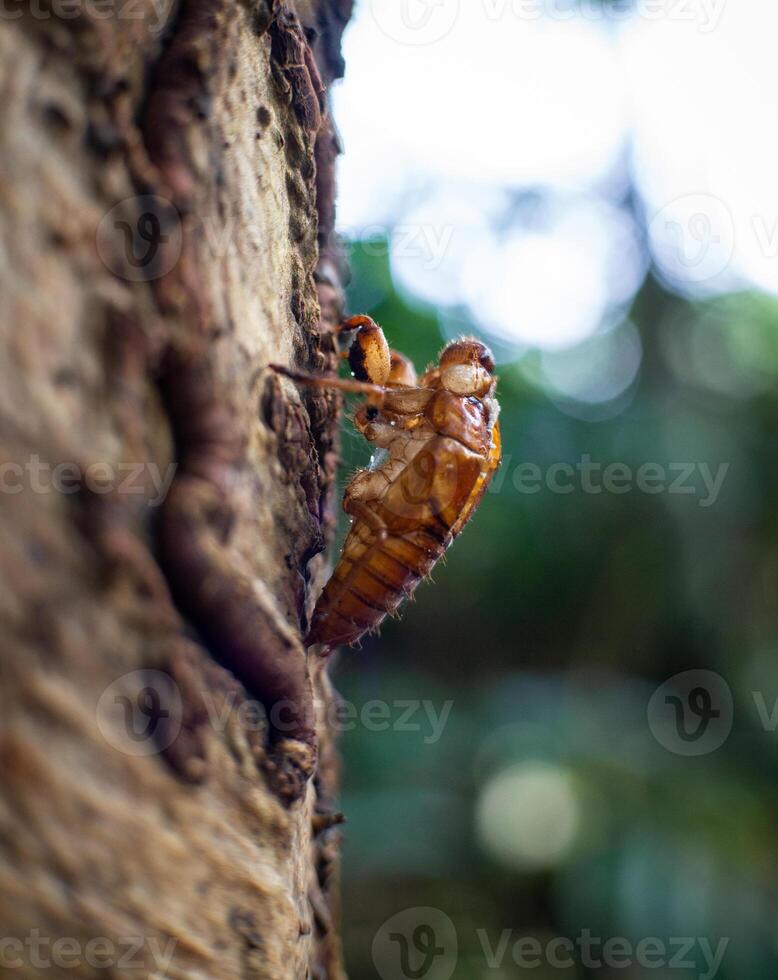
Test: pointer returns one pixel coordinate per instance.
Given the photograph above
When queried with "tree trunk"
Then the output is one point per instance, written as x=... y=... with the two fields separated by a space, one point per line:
x=165 y=234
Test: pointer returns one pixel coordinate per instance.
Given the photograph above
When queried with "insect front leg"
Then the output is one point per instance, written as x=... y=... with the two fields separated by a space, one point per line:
x=361 y=321
x=371 y=358
x=375 y=393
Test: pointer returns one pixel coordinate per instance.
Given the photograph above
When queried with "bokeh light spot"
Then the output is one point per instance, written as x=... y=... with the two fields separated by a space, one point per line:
x=528 y=816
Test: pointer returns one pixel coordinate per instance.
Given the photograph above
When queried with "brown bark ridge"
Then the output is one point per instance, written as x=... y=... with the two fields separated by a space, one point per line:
x=166 y=231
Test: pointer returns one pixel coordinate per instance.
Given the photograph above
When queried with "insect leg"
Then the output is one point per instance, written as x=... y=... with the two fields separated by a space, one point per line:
x=368 y=356
x=361 y=510
x=400 y=368
x=375 y=393
x=355 y=322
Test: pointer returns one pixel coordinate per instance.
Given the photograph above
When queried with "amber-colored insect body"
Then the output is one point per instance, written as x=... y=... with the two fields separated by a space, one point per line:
x=438 y=445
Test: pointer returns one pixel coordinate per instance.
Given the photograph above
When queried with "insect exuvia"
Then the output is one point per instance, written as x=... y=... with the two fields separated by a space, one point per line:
x=437 y=446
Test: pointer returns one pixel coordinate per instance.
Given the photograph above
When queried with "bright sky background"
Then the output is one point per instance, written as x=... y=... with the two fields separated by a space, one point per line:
x=492 y=140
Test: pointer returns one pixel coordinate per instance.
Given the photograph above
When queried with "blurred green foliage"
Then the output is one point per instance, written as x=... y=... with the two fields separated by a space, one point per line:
x=554 y=620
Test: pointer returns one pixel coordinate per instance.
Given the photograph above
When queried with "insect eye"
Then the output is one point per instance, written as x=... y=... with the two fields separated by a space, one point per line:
x=371 y=412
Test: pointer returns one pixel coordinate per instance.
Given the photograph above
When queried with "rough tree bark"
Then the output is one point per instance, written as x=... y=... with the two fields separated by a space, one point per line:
x=166 y=210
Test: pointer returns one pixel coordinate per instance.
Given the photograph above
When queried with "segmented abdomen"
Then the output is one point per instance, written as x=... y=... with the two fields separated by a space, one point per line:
x=372 y=578
x=423 y=510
